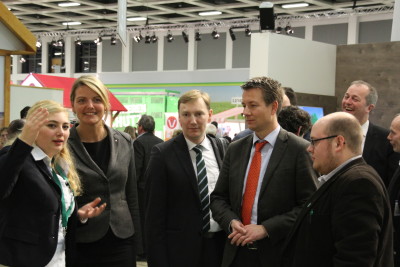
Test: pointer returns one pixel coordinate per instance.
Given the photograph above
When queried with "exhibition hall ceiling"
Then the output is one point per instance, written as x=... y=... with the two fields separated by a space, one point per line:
x=48 y=16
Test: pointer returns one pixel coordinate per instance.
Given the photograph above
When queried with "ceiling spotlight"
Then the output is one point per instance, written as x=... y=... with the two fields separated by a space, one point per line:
x=154 y=38
x=113 y=39
x=60 y=42
x=197 y=36
x=53 y=42
x=147 y=39
x=232 y=34
x=170 y=37
x=98 y=40
x=247 y=32
x=215 y=34
x=295 y=5
x=68 y=4
x=210 y=13
x=137 y=38
x=289 y=30
x=78 y=41
x=38 y=43
x=185 y=37
x=22 y=60
x=278 y=29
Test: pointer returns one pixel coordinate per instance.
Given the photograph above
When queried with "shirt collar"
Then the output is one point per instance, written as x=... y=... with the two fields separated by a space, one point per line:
x=270 y=138
x=322 y=179
x=364 y=128
x=205 y=144
x=38 y=154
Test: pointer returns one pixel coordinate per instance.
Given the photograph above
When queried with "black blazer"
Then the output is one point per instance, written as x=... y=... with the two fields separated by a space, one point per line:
x=173 y=223
x=288 y=182
x=30 y=204
x=394 y=194
x=378 y=152
x=117 y=187
x=347 y=222
x=143 y=145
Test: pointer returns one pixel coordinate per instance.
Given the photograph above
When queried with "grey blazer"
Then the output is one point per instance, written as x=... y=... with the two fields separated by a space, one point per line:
x=117 y=187
x=288 y=182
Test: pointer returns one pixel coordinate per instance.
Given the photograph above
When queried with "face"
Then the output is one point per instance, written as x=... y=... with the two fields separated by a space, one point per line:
x=54 y=134
x=354 y=102
x=260 y=117
x=88 y=106
x=322 y=151
x=193 y=117
x=394 y=134
x=3 y=137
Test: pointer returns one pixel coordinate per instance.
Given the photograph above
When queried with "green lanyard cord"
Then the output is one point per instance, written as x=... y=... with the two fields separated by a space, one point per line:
x=64 y=212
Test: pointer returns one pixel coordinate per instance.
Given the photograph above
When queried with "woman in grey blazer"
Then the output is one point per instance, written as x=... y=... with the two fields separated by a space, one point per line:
x=105 y=162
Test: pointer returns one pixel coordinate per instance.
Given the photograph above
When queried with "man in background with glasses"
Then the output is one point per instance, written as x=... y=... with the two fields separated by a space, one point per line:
x=347 y=222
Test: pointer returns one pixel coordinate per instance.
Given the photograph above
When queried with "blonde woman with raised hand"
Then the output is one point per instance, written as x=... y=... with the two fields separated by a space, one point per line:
x=38 y=215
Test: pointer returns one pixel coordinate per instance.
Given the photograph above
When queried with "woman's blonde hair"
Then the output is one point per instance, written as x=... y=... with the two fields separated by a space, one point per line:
x=64 y=157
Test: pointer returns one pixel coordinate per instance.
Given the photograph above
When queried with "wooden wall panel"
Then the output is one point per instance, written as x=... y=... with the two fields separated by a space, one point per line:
x=378 y=64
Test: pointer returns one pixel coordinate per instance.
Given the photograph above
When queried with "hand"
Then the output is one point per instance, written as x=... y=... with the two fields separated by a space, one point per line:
x=33 y=123
x=91 y=210
x=252 y=232
x=238 y=231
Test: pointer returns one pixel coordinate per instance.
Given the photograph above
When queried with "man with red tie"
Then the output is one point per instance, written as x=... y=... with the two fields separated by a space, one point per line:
x=265 y=179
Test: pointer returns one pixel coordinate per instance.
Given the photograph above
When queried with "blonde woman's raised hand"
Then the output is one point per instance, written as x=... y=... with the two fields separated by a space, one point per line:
x=33 y=123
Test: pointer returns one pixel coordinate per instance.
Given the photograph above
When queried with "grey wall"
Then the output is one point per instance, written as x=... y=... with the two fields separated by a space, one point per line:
x=211 y=52
x=144 y=56
x=375 y=31
x=111 y=56
x=299 y=32
x=175 y=54
x=332 y=34
x=241 y=51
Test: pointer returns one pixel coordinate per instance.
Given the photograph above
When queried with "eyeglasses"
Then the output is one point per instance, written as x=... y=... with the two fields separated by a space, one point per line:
x=314 y=141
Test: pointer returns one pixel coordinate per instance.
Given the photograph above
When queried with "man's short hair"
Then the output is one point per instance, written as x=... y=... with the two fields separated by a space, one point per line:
x=270 y=88
x=291 y=94
x=372 y=97
x=211 y=129
x=147 y=123
x=291 y=118
x=193 y=95
x=24 y=112
x=342 y=123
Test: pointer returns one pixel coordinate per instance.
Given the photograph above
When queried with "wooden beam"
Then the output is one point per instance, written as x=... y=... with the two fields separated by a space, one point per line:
x=7 y=75
x=17 y=28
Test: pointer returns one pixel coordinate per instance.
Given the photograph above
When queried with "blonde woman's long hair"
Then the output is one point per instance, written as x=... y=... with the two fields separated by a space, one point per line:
x=64 y=157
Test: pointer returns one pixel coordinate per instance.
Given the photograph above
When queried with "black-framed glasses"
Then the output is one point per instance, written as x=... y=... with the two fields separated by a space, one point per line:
x=314 y=141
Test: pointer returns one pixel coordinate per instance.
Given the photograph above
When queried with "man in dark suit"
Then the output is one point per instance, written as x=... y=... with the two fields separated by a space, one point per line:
x=142 y=148
x=179 y=229
x=394 y=188
x=347 y=222
x=359 y=100
x=261 y=190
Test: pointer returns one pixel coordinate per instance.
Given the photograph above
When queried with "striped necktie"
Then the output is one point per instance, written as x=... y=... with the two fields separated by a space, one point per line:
x=203 y=187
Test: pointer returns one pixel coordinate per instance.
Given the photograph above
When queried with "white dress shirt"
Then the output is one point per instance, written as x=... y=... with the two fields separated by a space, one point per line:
x=364 y=129
x=211 y=168
x=324 y=178
x=266 y=152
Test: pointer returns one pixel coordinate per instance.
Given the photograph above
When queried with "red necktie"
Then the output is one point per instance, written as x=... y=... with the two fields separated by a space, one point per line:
x=252 y=183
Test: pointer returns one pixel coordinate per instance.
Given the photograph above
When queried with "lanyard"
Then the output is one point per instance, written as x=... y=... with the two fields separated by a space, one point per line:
x=64 y=212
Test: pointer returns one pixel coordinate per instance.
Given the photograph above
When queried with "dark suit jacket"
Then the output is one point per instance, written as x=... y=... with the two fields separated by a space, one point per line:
x=173 y=223
x=347 y=222
x=288 y=182
x=143 y=145
x=30 y=204
x=394 y=194
x=378 y=152
x=117 y=187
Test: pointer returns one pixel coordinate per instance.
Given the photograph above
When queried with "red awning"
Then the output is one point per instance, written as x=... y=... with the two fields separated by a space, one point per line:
x=66 y=83
x=222 y=116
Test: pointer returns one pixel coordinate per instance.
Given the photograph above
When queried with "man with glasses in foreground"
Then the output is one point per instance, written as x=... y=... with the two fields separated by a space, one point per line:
x=347 y=222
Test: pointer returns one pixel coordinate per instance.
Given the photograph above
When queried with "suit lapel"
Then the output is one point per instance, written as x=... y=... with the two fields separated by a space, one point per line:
x=242 y=167
x=114 y=141
x=182 y=152
x=48 y=176
x=216 y=151
x=394 y=186
x=276 y=156
x=368 y=144
x=80 y=152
